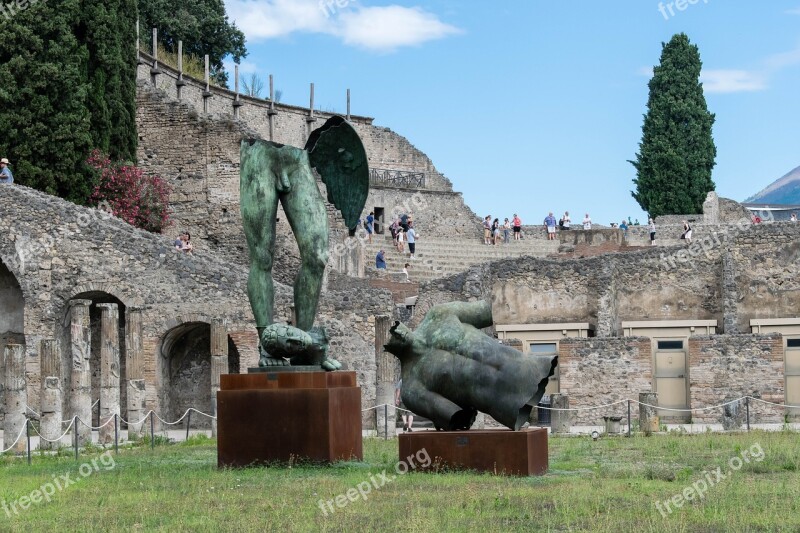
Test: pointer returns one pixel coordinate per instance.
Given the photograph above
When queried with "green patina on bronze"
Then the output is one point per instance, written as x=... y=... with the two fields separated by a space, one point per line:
x=451 y=369
x=272 y=173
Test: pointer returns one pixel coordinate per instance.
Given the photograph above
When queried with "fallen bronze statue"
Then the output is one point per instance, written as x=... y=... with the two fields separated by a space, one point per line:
x=451 y=370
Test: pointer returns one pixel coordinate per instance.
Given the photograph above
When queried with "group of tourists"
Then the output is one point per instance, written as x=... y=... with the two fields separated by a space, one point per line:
x=493 y=229
x=184 y=243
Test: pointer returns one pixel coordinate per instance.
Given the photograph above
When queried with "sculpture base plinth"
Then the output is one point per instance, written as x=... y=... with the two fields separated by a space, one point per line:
x=511 y=453
x=278 y=417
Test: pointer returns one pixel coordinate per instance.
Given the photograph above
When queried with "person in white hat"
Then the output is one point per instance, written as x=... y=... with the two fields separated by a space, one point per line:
x=5 y=173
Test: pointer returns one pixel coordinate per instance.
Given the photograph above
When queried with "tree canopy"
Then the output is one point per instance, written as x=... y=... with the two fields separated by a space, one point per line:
x=677 y=151
x=203 y=27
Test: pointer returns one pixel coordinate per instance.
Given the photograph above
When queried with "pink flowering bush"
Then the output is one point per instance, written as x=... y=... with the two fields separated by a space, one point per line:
x=138 y=199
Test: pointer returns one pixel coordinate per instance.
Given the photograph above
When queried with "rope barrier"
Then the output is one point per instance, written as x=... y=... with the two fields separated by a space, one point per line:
x=93 y=427
x=773 y=403
x=58 y=439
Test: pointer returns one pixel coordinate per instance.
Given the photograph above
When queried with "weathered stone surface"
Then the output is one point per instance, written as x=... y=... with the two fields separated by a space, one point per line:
x=560 y=421
x=648 y=414
x=386 y=379
x=80 y=392
x=16 y=397
x=109 y=372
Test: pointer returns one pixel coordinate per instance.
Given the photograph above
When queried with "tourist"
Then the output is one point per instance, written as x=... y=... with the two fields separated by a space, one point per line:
x=624 y=227
x=405 y=271
x=404 y=221
x=495 y=231
x=394 y=229
x=411 y=237
x=179 y=242
x=5 y=173
x=587 y=222
x=550 y=226
x=187 y=243
x=400 y=239
x=566 y=220
x=687 y=232
x=652 y=232
x=506 y=231
x=517 y=224
x=793 y=218
x=487 y=229
x=408 y=417
x=370 y=226
x=380 y=260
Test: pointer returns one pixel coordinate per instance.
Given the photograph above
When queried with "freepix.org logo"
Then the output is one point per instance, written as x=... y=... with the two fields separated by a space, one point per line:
x=668 y=9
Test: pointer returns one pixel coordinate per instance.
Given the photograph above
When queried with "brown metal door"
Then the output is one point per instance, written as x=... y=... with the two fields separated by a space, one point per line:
x=671 y=381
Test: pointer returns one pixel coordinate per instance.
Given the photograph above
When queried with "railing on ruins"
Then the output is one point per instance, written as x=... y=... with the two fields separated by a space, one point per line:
x=397 y=178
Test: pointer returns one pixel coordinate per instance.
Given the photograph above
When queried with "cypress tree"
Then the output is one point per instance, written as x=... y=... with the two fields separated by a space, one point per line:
x=44 y=120
x=677 y=151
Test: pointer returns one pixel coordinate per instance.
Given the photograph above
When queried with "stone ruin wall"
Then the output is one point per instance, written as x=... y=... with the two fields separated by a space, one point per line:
x=753 y=274
x=56 y=251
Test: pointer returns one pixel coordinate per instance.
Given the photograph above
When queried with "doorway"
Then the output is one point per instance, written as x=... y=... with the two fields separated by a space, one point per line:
x=671 y=379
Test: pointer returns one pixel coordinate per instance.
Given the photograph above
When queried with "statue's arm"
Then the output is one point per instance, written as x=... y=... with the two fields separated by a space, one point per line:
x=478 y=314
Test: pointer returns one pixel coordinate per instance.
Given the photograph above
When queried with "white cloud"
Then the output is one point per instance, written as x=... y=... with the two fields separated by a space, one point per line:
x=375 y=28
x=795 y=11
x=732 y=81
x=388 y=28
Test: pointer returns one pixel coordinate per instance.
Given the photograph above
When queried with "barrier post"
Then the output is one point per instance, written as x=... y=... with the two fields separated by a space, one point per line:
x=385 y=421
x=75 y=434
x=152 y=431
x=116 y=433
x=28 y=432
x=629 y=417
x=747 y=411
x=188 y=422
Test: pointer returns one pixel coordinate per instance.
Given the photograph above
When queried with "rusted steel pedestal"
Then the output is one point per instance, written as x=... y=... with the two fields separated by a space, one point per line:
x=288 y=416
x=511 y=453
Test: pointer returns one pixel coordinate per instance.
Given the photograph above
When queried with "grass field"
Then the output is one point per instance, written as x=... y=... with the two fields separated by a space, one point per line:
x=612 y=484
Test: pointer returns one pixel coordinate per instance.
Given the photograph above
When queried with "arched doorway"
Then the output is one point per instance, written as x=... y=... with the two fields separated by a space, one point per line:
x=12 y=318
x=186 y=371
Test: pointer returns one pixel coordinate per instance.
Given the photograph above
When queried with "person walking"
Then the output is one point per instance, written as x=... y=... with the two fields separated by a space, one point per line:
x=380 y=260
x=517 y=225
x=487 y=229
x=566 y=221
x=496 y=231
x=587 y=222
x=652 y=228
x=411 y=237
x=400 y=238
x=550 y=226
x=408 y=416
x=687 y=232
x=370 y=226
x=6 y=175
x=506 y=231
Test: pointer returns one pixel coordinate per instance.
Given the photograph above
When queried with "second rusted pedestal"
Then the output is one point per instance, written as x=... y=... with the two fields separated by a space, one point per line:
x=288 y=416
x=513 y=453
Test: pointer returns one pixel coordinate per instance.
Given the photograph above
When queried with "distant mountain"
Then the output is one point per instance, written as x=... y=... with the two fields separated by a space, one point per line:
x=785 y=191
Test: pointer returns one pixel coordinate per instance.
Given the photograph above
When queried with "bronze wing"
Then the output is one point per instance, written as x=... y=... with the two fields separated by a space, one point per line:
x=335 y=150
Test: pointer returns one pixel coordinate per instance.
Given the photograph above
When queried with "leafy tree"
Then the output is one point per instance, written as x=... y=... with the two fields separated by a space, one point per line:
x=203 y=27
x=677 y=152
x=45 y=123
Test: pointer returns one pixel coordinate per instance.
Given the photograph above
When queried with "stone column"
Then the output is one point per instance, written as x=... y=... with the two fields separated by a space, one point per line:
x=385 y=378
x=52 y=396
x=219 y=363
x=648 y=416
x=16 y=396
x=134 y=367
x=80 y=395
x=559 y=420
x=109 y=370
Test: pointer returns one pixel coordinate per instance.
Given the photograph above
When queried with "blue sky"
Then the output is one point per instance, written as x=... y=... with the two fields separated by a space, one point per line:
x=531 y=106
